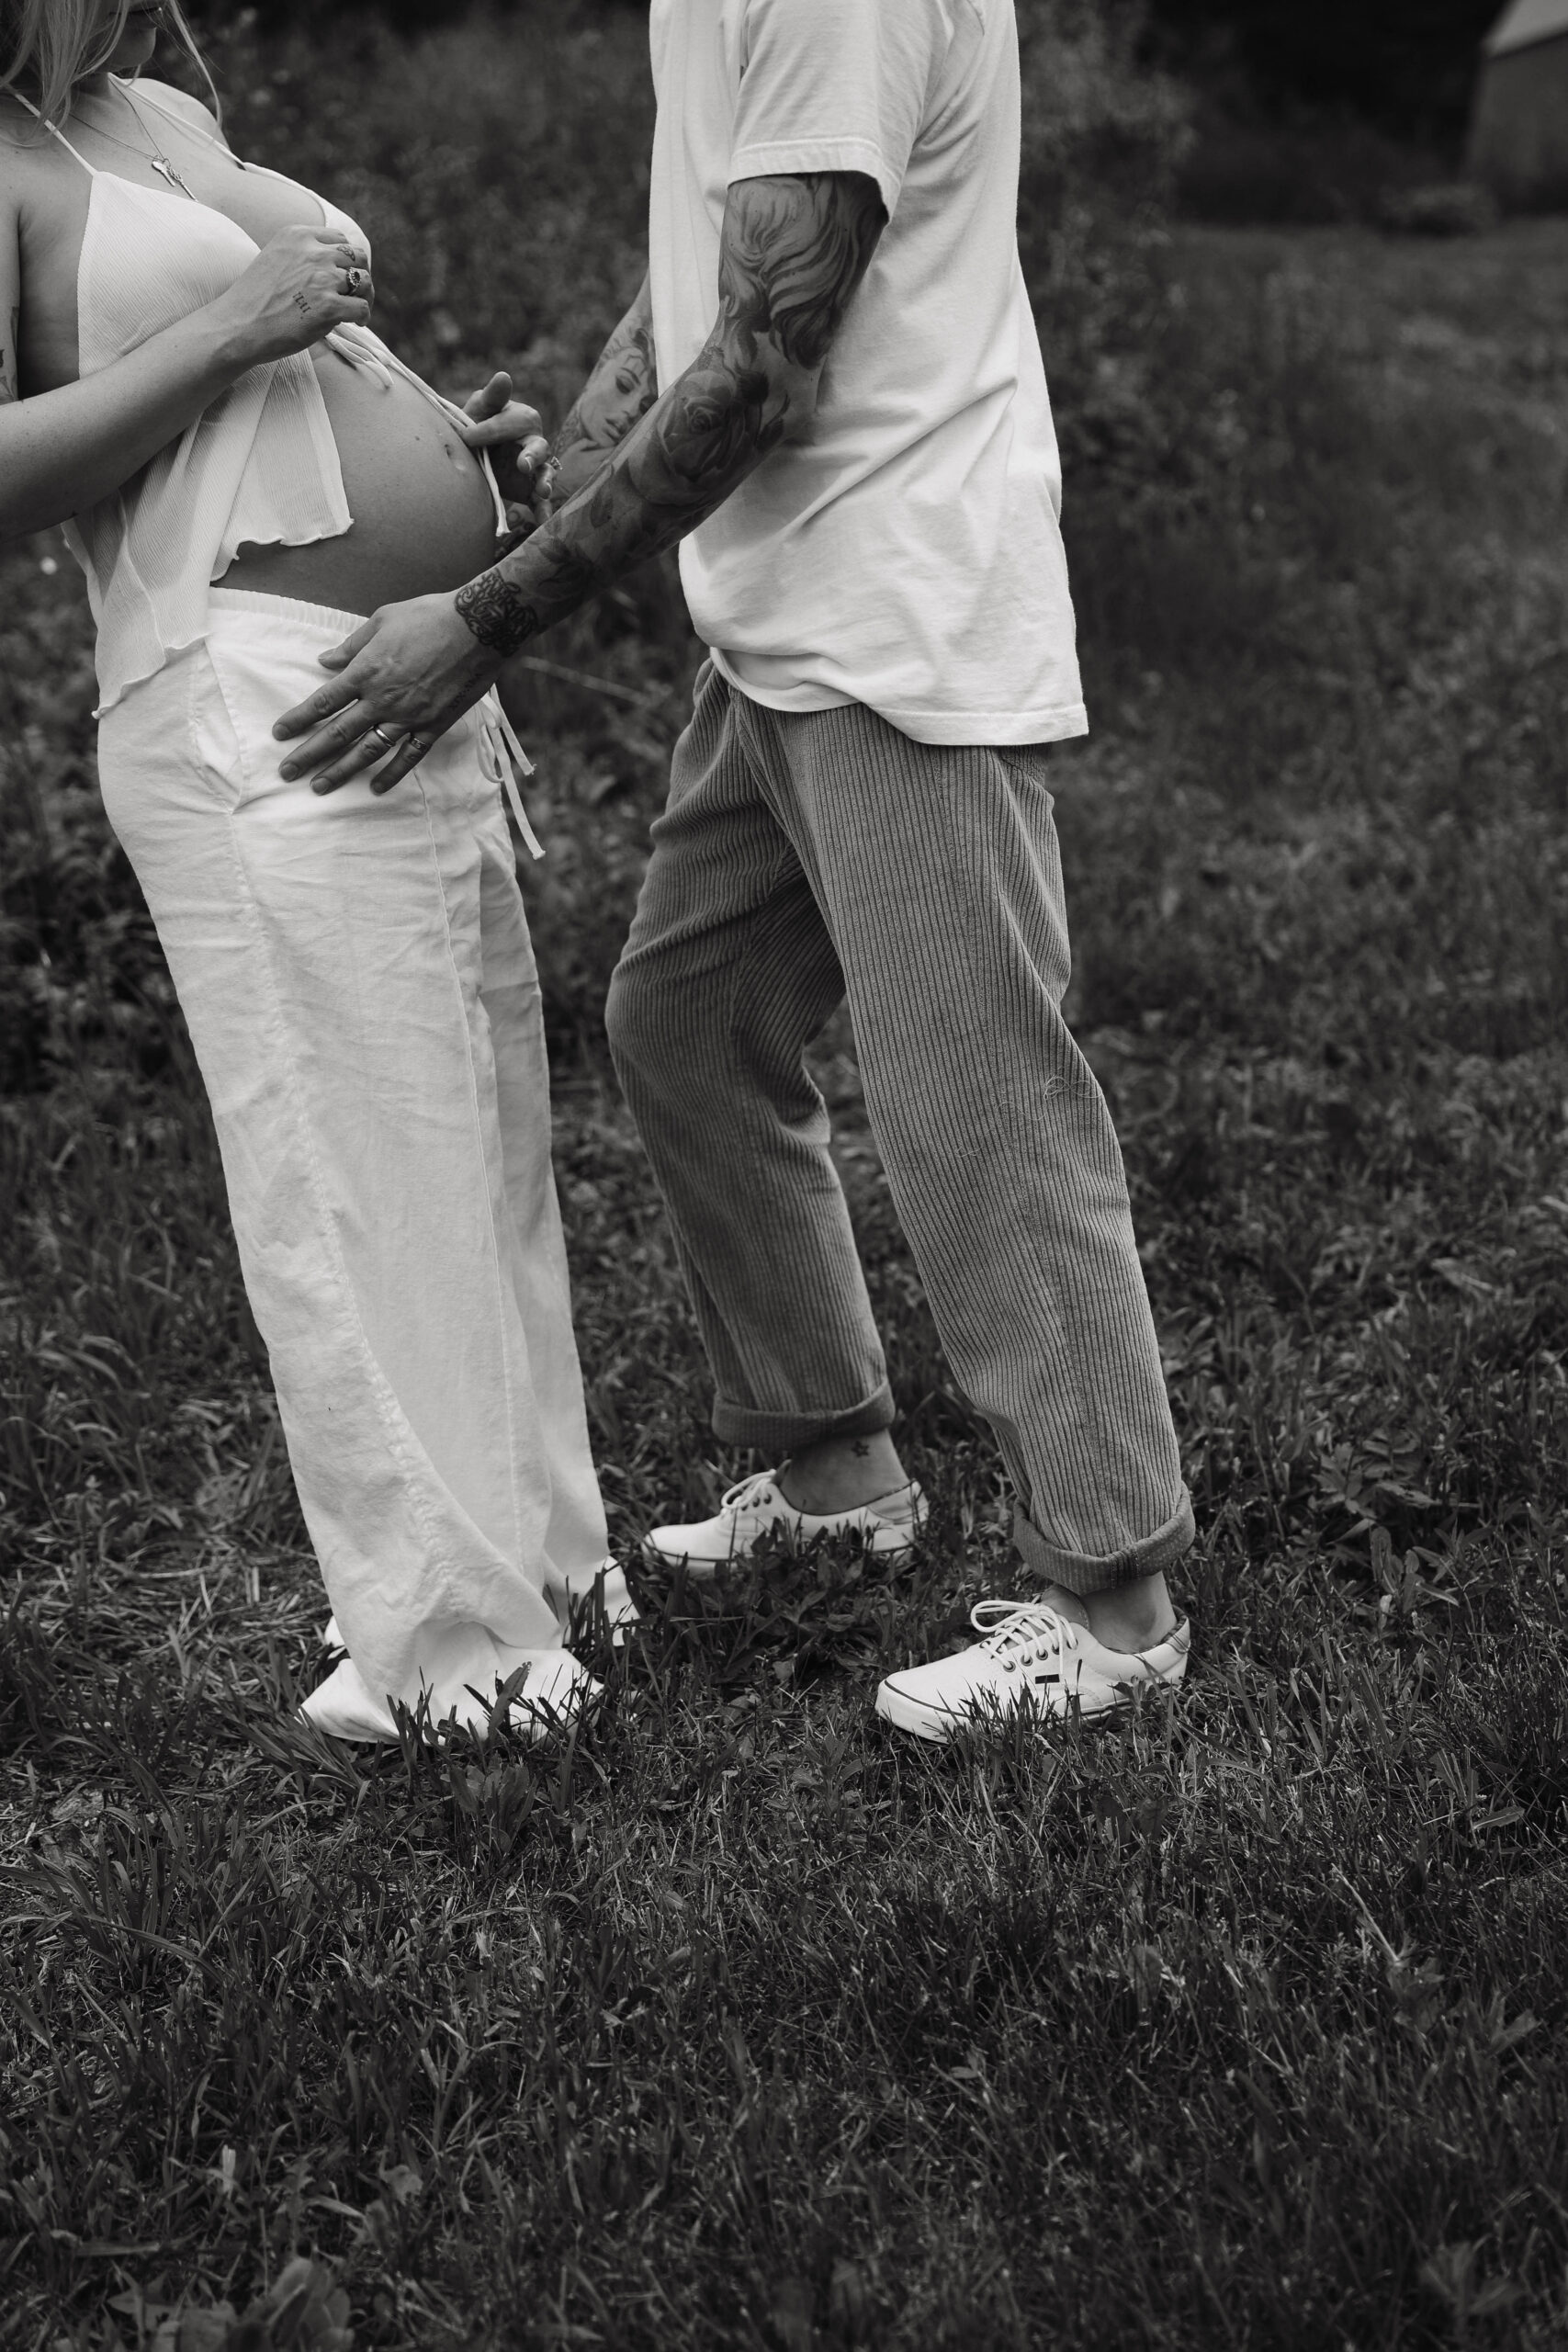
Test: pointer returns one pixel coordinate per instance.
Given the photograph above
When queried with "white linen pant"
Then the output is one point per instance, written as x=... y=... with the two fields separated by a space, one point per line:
x=360 y=991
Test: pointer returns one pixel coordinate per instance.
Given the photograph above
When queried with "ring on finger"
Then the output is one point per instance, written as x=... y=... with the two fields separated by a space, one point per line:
x=355 y=278
x=387 y=738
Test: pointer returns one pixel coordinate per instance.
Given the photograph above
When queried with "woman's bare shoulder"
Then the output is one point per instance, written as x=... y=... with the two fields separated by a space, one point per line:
x=180 y=102
x=19 y=131
x=13 y=177
x=23 y=152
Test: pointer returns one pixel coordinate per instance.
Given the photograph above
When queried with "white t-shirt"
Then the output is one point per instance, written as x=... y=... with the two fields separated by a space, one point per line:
x=907 y=554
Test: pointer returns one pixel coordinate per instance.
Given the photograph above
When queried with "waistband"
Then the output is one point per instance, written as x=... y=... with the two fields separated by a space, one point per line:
x=284 y=608
x=503 y=754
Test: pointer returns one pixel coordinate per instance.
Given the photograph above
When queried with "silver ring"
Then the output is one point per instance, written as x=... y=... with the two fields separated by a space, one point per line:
x=388 y=741
x=357 y=278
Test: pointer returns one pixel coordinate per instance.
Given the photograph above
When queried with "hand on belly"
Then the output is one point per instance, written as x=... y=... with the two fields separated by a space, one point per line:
x=423 y=516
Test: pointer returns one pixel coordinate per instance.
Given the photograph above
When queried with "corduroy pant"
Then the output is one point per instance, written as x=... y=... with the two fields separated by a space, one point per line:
x=807 y=856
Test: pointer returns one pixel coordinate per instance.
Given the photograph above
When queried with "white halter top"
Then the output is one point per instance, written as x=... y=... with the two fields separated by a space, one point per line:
x=259 y=465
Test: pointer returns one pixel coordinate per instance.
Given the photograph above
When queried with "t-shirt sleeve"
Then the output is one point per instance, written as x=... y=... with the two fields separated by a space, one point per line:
x=837 y=85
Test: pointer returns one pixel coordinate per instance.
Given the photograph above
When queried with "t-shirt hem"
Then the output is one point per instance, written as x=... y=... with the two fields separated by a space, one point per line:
x=807 y=695
x=943 y=728
x=1057 y=723
x=776 y=157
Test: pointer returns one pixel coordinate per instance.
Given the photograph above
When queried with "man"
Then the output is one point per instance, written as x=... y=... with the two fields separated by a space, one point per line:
x=851 y=436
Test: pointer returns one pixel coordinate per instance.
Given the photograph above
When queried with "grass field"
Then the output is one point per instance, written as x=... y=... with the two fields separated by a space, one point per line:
x=738 y=2023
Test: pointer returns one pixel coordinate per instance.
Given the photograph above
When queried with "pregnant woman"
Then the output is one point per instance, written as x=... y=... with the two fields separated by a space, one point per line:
x=188 y=382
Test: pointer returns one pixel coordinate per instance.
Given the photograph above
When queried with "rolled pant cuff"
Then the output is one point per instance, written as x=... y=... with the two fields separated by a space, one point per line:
x=781 y=1434
x=1079 y=1572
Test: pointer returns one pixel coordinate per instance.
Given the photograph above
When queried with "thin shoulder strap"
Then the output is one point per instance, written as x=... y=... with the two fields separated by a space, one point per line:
x=55 y=133
x=184 y=122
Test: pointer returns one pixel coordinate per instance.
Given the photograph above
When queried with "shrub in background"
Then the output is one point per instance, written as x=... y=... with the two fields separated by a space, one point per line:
x=1104 y=134
x=1314 y=115
x=1407 y=65
x=1104 y=138
x=1293 y=167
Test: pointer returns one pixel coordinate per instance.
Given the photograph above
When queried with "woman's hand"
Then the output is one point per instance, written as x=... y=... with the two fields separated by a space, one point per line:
x=515 y=435
x=303 y=281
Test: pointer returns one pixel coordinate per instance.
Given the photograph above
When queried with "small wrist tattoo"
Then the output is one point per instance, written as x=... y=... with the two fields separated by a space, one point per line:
x=495 y=611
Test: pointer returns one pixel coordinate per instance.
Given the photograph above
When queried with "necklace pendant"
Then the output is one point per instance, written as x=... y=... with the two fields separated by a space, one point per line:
x=170 y=172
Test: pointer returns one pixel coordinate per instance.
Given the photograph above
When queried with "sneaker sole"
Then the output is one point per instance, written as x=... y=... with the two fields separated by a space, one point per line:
x=940 y=1726
x=533 y=1723
x=702 y=1569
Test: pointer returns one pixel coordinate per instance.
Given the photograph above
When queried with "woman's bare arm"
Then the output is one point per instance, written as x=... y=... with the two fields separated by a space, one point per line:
x=10 y=307
x=61 y=451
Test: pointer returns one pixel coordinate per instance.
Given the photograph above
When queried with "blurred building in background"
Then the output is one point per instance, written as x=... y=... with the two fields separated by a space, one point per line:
x=1519 y=139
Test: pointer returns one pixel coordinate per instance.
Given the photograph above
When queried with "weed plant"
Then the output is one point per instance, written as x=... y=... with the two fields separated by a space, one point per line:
x=730 y=2020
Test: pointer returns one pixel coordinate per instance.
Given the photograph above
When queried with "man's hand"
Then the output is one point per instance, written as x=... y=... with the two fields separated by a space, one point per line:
x=410 y=673
x=515 y=435
x=404 y=672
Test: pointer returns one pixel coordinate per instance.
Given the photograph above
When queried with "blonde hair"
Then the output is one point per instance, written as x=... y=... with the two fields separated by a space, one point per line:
x=48 y=46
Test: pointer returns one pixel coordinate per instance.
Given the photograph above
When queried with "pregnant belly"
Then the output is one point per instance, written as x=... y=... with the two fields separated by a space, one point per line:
x=422 y=515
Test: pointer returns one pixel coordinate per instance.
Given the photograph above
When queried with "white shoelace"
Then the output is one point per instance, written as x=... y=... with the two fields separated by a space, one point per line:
x=1016 y=1633
x=749 y=1494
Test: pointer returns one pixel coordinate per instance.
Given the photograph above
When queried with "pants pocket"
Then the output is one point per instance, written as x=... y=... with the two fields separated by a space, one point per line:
x=1028 y=764
x=168 y=754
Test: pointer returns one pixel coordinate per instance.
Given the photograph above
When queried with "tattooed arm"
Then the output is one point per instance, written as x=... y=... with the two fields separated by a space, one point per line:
x=10 y=304
x=618 y=391
x=792 y=254
x=793 y=251
x=618 y=395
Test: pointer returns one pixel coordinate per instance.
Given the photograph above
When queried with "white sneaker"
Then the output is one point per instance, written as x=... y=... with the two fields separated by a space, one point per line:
x=554 y=1688
x=751 y=1510
x=621 y=1610
x=1030 y=1659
